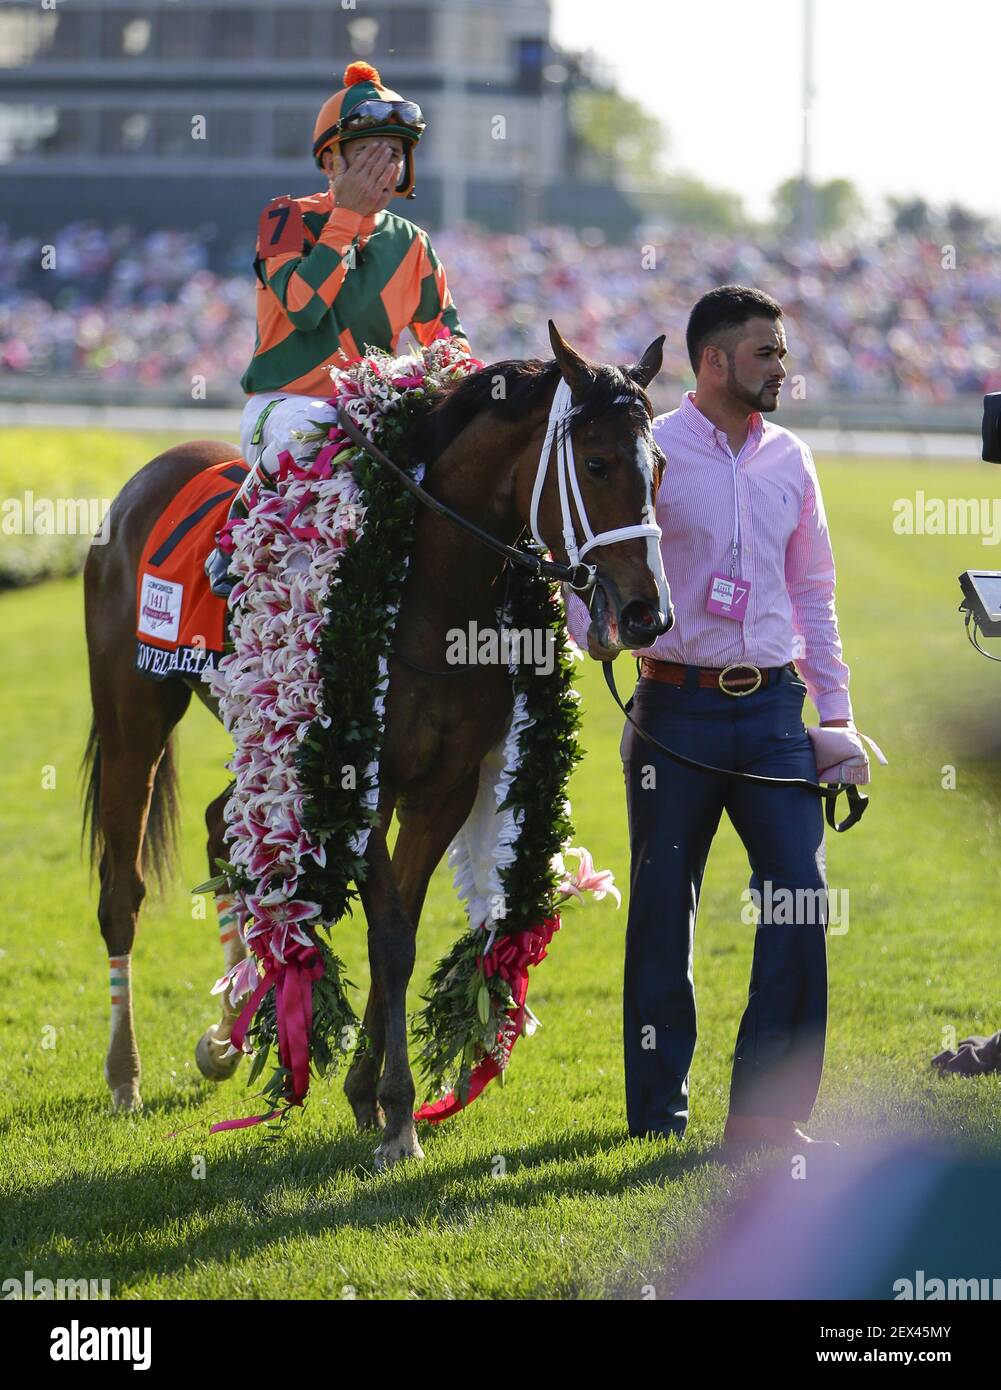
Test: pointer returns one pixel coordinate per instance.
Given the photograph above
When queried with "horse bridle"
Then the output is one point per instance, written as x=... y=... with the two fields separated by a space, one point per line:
x=578 y=576
x=561 y=416
x=582 y=578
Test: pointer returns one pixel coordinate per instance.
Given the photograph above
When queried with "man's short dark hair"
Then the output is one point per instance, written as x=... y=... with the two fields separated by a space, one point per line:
x=730 y=306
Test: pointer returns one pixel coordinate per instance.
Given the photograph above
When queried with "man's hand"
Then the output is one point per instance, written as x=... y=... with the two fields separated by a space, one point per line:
x=365 y=186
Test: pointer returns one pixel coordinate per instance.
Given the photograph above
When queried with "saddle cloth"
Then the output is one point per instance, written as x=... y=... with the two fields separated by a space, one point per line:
x=180 y=623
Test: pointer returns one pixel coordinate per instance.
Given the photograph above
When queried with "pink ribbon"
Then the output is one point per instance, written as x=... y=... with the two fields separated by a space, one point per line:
x=510 y=958
x=302 y=533
x=320 y=466
x=293 y=984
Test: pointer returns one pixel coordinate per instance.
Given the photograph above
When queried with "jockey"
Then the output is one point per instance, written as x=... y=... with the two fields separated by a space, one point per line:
x=338 y=274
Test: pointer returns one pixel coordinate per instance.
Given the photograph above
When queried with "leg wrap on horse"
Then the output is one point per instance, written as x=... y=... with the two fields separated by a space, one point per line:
x=121 y=1067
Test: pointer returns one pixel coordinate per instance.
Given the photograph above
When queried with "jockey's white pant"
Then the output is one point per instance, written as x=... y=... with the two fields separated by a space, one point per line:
x=291 y=413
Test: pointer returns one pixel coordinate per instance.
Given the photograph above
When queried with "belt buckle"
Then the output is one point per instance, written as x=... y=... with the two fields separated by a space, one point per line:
x=740 y=666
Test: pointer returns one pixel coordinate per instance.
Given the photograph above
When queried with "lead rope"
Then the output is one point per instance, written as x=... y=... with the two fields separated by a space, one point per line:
x=829 y=794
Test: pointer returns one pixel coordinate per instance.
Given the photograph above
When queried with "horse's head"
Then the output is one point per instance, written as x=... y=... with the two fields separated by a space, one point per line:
x=609 y=488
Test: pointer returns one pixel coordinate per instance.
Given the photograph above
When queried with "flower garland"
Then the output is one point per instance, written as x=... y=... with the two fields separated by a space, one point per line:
x=320 y=562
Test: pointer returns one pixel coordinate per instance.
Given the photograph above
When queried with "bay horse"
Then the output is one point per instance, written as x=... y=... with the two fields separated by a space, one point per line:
x=481 y=442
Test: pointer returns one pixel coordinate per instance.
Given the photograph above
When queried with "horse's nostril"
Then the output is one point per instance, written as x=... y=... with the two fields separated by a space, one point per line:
x=639 y=616
x=641 y=622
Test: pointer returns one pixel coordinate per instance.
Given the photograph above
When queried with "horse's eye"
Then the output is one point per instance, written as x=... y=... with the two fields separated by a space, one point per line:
x=598 y=468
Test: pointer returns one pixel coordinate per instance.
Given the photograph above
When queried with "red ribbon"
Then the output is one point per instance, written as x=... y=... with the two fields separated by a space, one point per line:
x=510 y=958
x=293 y=983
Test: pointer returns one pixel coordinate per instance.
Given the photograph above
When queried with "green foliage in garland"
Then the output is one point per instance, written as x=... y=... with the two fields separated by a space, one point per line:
x=454 y=1030
x=549 y=753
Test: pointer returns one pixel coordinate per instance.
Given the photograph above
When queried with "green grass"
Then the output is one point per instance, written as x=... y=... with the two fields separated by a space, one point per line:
x=81 y=470
x=580 y=1210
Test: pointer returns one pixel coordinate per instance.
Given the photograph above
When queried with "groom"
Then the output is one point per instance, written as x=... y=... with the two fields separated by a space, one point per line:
x=748 y=557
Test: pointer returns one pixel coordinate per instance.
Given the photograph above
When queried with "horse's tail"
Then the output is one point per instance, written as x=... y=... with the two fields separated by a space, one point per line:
x=159 y=850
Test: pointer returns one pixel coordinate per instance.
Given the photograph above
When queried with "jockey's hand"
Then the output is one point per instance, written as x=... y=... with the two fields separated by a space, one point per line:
x=365 y=185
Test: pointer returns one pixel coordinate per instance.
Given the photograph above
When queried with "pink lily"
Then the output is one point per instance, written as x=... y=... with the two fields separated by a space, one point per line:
x=241 y=979
x=587 y=879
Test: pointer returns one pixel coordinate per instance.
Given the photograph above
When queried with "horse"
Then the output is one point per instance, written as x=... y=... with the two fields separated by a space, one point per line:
x=481 y=441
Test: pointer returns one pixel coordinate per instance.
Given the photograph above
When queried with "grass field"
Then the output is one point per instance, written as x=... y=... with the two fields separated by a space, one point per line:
x=580 y=1211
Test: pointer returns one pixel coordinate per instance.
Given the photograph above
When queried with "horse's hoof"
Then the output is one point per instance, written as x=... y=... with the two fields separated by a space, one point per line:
x=126 y=1099
x=368 y=1114
x=210 y=1054
x=393 y=1151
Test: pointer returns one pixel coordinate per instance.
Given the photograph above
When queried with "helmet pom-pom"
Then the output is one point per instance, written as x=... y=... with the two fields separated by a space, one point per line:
x=361 y=72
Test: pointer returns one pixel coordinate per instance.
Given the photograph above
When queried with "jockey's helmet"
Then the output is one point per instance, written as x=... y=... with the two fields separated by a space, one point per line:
x=364 y=107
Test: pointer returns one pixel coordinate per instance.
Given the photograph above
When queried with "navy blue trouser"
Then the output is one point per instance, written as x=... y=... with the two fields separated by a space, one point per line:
x=674 y=813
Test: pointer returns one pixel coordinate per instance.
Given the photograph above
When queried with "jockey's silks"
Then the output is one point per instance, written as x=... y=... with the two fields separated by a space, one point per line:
x=357 y=283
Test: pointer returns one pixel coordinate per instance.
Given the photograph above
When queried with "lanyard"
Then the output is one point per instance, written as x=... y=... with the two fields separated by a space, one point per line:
x=735 y=542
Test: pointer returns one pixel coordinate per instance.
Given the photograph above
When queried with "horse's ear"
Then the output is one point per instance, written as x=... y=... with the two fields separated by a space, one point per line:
x=650 y=363
x=576 y=373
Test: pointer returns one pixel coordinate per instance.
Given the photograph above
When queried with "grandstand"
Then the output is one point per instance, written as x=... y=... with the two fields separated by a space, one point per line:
x=877 y=332
x=101 y=100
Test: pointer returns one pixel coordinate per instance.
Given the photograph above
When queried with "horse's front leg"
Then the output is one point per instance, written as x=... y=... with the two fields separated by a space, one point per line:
x=391 y=951
x=393 y=898
x=213 y=1045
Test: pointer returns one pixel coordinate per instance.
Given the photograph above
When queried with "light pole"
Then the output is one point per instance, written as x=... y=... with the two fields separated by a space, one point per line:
x=807 y=219
x=451 y=148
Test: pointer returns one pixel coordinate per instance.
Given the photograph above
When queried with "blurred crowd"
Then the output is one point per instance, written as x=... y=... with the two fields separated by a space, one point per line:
x=892 y=318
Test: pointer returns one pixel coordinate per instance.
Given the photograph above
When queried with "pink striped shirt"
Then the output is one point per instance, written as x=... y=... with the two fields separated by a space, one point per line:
x=783 y=549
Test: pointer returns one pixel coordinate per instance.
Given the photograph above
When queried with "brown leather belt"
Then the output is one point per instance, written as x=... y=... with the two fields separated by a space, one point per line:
x=739 y=678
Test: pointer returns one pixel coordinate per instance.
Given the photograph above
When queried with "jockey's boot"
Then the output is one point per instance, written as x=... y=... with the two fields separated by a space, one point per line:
x=217 y=561
x=217 y=569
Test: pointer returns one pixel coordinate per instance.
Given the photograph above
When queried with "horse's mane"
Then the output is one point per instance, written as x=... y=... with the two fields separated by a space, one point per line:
x=526 y=382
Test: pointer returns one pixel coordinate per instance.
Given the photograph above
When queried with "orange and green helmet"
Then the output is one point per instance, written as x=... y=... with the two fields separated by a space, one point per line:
x=364 y=107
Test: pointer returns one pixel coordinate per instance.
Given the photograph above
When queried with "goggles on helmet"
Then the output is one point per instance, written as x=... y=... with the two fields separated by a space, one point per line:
x=371 y=113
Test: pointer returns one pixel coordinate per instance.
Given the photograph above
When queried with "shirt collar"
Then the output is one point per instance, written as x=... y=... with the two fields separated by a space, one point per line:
x=705 y=429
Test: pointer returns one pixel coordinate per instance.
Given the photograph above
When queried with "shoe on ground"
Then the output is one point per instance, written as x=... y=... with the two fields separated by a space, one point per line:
x=746 y=1134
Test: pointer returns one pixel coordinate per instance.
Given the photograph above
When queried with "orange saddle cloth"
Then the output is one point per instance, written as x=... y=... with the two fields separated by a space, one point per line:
x=180 y=622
